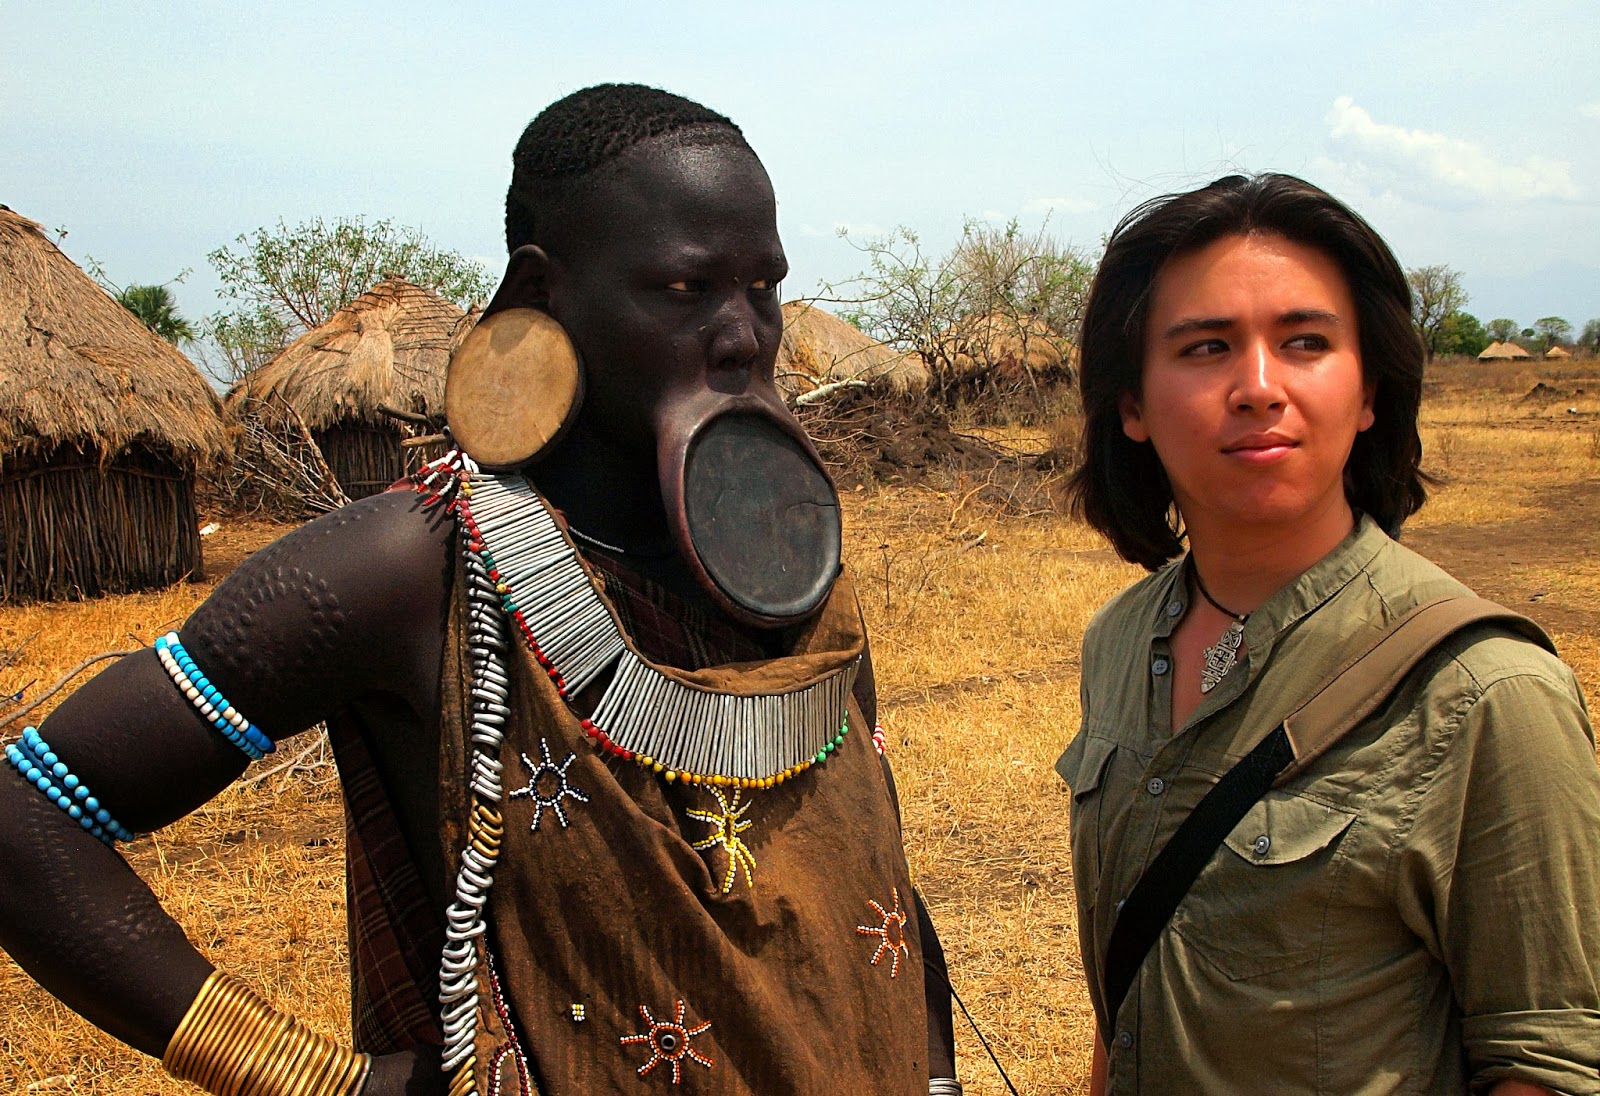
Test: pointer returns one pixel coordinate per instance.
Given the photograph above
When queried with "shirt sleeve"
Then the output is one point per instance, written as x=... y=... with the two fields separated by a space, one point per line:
x=1500 y=876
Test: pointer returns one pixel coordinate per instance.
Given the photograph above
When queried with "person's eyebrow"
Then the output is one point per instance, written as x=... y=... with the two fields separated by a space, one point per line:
x=1308 y=315
x=1197 y=323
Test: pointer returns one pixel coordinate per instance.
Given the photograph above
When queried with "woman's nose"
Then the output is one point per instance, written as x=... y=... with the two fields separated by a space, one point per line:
x=1258 y=384
x=736 y=341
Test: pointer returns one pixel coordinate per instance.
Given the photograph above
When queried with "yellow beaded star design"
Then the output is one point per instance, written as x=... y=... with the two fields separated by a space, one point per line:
x=729 y=822
x=891 y=933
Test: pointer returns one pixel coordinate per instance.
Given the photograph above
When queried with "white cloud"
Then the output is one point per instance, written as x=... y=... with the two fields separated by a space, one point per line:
x=1590 y=110
x=1428 y=166
x=1064 y=205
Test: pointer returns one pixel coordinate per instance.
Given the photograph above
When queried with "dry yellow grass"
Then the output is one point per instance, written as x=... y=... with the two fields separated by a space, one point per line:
x=976 y=617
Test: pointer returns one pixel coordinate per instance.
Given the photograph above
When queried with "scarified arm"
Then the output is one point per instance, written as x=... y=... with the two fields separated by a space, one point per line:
x=347 y=606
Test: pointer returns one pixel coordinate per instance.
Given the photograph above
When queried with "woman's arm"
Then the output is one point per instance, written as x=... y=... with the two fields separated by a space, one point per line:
x=343 y=606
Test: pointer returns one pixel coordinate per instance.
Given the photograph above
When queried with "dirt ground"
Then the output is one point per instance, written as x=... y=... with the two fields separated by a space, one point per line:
x=976 y=591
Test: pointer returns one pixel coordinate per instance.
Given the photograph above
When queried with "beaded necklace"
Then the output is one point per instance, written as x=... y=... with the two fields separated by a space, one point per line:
x=1221 y=655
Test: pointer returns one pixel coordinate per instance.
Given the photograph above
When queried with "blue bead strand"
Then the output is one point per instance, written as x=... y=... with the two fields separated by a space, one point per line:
x=37 y=762
x=209 y=700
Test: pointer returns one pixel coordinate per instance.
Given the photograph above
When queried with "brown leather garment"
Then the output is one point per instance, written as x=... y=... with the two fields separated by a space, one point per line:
x=618 y=913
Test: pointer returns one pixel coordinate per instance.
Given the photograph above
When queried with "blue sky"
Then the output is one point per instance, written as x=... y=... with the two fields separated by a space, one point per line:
x=1469 y=134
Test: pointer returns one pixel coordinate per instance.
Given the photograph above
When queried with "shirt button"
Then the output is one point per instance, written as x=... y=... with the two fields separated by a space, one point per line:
x=1156 y=786
x=1263 y=843
x=1160 y=666
x=1125 y=1040
x=1174 y=608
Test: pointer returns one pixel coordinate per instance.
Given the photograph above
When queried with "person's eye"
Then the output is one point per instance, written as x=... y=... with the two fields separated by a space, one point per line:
x=1311 y=343
x=1205 y=348
x=688 y=285
x=766 y=285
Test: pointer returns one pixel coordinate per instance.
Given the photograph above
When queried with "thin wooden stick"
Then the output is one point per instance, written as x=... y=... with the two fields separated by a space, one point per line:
x=12 y=717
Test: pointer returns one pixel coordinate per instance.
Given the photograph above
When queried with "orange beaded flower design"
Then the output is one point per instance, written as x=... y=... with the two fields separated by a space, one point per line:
x=669 y=1042
x=891 y=934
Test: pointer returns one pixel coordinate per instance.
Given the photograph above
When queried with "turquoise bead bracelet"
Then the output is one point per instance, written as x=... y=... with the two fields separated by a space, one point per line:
x=39 y=766
x=211 y=703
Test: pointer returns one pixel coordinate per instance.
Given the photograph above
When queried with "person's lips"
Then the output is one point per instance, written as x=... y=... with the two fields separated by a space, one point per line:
x=1261 y=447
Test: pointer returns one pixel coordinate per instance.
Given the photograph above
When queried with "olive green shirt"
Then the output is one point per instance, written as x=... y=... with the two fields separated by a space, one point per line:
x=1418 y=912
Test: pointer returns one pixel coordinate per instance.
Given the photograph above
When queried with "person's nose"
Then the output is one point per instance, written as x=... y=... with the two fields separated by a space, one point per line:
x=1258 y=381
x=736 y=340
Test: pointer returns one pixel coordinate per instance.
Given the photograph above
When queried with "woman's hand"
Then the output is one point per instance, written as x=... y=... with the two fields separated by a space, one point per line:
x=413 y=1072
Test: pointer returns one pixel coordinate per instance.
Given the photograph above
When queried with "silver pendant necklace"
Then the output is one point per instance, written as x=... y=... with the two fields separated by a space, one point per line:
x=1221 y=655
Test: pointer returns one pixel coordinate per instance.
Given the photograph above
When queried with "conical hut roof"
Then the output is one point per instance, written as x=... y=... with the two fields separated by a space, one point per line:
x=1011 y=345
x=78 y=368
x=1556 y=352
x=818 y=347
x=1514 y=351
x=388 y=347
x=1493 y=352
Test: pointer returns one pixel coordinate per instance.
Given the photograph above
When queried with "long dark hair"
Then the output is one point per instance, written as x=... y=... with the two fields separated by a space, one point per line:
x=1120 y=487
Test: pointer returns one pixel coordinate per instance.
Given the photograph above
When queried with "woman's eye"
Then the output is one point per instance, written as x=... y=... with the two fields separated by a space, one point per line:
x=688 y=285
x=1204 y=349
x=1313 y=343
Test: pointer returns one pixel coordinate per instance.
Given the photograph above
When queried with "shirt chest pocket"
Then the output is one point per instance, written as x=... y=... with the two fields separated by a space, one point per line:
x=1083 y=766
x=1261 y=903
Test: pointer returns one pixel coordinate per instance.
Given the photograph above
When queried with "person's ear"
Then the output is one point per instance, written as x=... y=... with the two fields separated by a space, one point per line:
x=1132 y=417
x=526 y=283
x=1369 y=392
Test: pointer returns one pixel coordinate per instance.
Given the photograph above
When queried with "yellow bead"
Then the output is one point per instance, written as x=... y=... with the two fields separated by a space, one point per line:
x=671 y=776
x=643 y=760
x=657 y=766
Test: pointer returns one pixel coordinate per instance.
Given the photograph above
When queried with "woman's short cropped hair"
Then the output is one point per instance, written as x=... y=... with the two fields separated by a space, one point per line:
x=1119 y=486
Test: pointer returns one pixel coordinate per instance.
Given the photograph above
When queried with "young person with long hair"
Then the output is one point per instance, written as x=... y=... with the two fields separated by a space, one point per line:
x=1419 y=909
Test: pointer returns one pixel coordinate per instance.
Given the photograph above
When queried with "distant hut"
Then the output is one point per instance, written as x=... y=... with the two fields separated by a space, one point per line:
x=1506 y=351
x=102 y=426
x=1556 y=353
x=1011 y=349
x=386 y=349
x=819 y=348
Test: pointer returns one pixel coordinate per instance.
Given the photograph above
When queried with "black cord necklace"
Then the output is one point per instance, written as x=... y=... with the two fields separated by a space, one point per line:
x=1221 y=655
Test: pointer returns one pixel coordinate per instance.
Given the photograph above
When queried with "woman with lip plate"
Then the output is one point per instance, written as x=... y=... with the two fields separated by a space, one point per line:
x=1418 y=911
x=597 y=685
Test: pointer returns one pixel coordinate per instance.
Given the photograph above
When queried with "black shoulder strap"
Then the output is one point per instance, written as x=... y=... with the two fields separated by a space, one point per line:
x=1341 y=702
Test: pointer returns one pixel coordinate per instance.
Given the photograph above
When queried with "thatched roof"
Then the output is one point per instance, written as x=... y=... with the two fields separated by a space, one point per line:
x=1498 y=351
x=1011 y=346
x=78 y=368
x=1556 y=352
x=388 y=347
x=819 y=347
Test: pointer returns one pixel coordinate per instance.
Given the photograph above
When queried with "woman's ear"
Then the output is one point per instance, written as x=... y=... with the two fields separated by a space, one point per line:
x=526 y=281
x=1132 y=417
x=1369 y=392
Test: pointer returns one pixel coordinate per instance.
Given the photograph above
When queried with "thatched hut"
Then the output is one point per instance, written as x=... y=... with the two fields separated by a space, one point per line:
x=388 y=348
x=1012 y=348
x=1556 y=353
x=102 y=426
x=819 y=348
x=1495 y=351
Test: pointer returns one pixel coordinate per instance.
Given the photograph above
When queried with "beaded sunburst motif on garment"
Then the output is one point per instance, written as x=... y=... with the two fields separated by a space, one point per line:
x=548 y=786
x=670 y=1041
x=727 y=823
x=891 y=933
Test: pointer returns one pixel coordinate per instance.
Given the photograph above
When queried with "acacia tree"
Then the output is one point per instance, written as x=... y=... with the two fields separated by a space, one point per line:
x=284 y=281
x=1461 y=333
x=1436 y=292
x=1031 y=284
x=1590 y=338
x=1553 y=330
x=1501 y=330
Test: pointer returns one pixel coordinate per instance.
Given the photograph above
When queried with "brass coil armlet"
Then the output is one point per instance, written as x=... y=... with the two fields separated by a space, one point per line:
x=231 y=1043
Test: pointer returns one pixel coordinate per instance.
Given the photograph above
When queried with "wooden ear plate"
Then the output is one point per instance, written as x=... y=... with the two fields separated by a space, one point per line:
x=512 y=386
